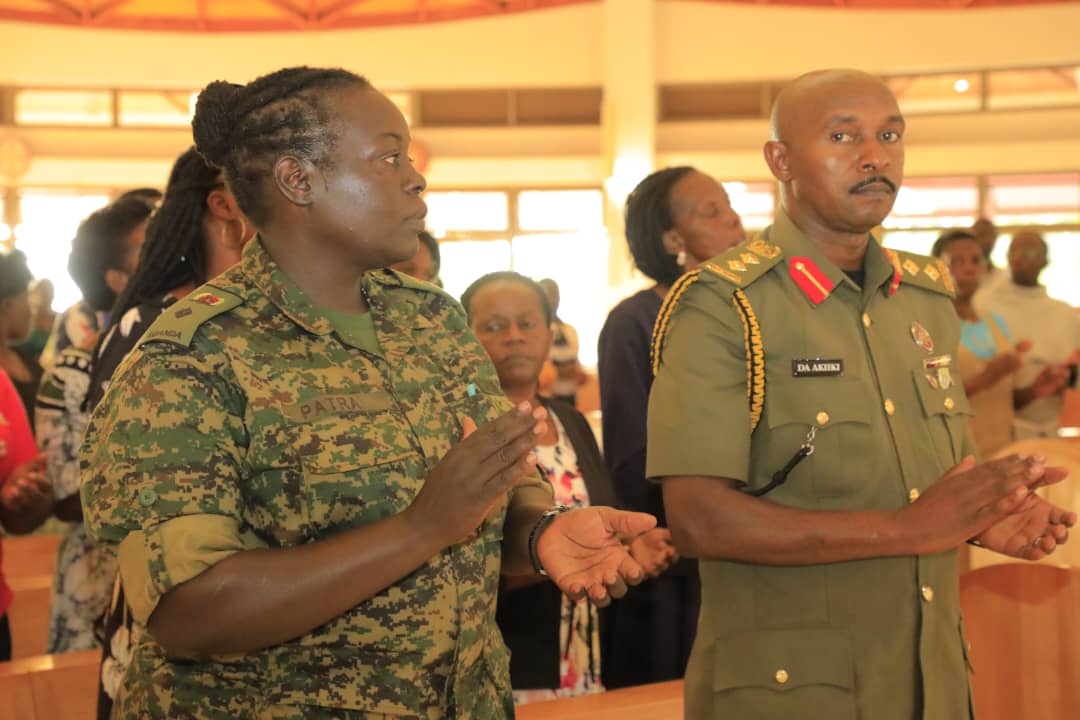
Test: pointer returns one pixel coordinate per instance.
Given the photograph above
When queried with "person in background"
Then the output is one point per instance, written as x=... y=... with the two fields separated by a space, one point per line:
x=20 y=366
x=42 y=318
x=567 y=374
x=676 y=219
x=25 y=496
x=103 y=256
x=554 y=642
x=1052 y=326
x=988 y=358
x=196 y=234
x=344 y=481
x=424 y=265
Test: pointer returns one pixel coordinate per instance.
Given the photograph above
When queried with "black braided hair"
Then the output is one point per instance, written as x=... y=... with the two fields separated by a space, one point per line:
x=100 y=245
x=15 y=276
x=648 y=216
x=174 y=253
x=507 y=276
x=244 y=128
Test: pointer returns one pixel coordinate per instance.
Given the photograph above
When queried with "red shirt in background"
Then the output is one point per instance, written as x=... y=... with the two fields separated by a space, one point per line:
x=16 y=447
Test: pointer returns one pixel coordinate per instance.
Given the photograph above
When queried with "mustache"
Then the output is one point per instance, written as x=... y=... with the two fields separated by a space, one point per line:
x=871 y=181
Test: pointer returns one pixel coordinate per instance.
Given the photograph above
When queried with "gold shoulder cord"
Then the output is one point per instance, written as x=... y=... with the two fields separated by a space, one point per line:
x=662 y=319
x=755 y=357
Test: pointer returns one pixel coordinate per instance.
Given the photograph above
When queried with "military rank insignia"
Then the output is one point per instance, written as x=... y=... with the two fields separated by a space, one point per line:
x=815 y=284
x=921 y=336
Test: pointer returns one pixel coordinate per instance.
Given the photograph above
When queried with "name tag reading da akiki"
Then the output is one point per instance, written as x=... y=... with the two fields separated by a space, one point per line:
x=817 y=367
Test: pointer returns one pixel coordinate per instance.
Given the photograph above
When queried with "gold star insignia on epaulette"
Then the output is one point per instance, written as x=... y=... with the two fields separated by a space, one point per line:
x=736 y=265
x=750 y=258
x=765 y=249
x=932 y=273
x=911 y=267
x=723 y=272
x=946 y=277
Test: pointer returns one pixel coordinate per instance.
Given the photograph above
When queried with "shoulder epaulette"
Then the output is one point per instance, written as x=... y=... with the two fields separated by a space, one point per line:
x=179 y=323
x=922 y=271
x=743 y=264
x=393 y=277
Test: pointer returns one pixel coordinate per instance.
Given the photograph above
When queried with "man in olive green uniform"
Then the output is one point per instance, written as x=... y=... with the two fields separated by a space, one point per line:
x=829 y=590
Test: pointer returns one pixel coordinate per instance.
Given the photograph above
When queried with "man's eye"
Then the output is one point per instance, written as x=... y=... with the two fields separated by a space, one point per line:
x=394 y=159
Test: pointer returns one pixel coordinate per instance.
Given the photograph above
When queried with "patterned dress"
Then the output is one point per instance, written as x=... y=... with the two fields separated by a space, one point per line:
x=579 y=629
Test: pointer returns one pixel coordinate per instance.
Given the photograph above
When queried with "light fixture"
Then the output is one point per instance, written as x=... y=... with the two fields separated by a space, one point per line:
x=961 y=85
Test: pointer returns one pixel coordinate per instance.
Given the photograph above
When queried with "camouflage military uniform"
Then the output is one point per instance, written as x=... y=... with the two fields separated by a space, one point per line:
x=243 y=419
x=876 y=639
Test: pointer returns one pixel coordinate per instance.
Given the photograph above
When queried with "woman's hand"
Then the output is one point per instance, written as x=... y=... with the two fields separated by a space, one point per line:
x=26 y=498
x=478 y=472
x=654 y=551
x=584 y=551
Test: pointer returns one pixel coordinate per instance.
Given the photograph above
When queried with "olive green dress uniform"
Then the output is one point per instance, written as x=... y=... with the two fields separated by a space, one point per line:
x=750 y=339
x=244 y=419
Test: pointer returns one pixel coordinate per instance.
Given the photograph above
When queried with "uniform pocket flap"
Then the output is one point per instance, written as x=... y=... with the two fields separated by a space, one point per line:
x=815 y=401
x=935 y=399
x=783 y=660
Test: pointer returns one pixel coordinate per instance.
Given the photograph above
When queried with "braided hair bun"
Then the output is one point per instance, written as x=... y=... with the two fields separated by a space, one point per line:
x=215 y=120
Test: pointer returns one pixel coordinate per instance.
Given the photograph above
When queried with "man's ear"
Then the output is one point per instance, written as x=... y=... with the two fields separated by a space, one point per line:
x=778 y=160
x=292 y=177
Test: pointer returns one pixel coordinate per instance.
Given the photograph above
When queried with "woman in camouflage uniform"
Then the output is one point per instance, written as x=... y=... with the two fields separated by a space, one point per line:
x=307 y=464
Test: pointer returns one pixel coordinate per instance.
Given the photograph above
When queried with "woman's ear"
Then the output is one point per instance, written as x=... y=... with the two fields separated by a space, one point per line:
x=673 y=242
x=292 y=177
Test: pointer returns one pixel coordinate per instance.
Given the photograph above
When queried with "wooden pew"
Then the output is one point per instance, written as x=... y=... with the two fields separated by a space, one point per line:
x=29 y=555
x=50 y=687
x=1023 y=624
x=29 y=615
x=659 y=701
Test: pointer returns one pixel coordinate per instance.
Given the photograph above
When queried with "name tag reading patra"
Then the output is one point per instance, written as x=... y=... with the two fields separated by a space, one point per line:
x=817 y=367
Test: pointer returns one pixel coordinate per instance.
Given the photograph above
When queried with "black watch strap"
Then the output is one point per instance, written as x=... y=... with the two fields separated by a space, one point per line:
x=534 y=536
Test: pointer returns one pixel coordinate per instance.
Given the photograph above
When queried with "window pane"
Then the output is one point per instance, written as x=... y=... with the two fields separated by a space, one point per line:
x=754 y=202
x=937 y=93
x=467 y=211
x=63 y=107
x=916 y=241
x=466 y=260
x=560 y=209
x=49 y=221
x=935 y=203
x=1037 y=87
x=579 y=264
x=1034 y=199
x=157 y=109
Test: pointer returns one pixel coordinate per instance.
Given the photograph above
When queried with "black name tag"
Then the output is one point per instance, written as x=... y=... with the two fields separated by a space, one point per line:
x=817 y=367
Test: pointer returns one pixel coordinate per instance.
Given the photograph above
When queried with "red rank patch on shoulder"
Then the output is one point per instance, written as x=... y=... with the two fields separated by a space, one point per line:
x=815 y=284
x=207 y=299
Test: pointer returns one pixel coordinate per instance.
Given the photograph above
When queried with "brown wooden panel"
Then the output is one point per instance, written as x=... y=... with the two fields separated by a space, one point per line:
x=713 y=102
x=29 y=555
x=29 y=615
x=456 y=108
x=560 y=106
x=50 y=687
x=1023 y=626
x=659 y=701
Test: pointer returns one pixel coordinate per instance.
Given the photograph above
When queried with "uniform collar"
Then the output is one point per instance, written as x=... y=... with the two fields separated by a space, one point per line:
x=817 y=276
x=390 y=311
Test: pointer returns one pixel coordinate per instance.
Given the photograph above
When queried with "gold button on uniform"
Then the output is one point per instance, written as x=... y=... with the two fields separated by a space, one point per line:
x=866 y=320
x=781 y=676
x=949 y=404
x=822 y=418
x=889 y=407
x=927 y=593
x=913 y=494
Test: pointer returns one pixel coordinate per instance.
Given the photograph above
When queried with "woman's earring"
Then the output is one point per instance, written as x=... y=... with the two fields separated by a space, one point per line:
x=680 y=258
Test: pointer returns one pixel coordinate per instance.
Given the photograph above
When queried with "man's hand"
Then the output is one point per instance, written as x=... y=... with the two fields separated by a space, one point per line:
x=653 y=551
x=1030 y=533
x=584 y=552
x=970 y=498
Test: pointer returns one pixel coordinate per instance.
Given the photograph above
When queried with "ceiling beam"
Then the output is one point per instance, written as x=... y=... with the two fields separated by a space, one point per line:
x=106 y=9
x=70 y=11
x=296 y=16
x=336 y=10
x=201 y=14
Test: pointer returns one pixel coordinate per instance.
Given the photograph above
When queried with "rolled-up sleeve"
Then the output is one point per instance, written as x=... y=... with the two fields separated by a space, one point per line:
x=698 y=422
x=166 y=442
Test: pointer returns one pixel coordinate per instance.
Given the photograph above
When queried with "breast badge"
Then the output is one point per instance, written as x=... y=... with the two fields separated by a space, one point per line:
x=922 y=337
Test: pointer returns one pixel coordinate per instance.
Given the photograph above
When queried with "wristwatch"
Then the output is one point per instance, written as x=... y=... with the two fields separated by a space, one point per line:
x=534 y=536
